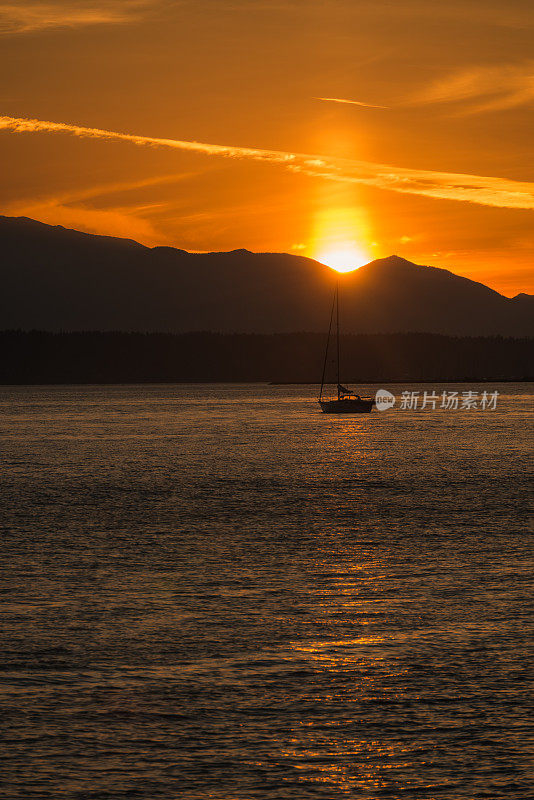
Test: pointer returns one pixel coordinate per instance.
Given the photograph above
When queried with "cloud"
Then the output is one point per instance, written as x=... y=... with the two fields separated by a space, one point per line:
x=83 y=209
x=120 y=221
x=28 y=17
x=19 y=16
x=495 y=88
x=513 y=14
x=482 y=13
x=348 y=102
x=483 y=190
x=118 y=187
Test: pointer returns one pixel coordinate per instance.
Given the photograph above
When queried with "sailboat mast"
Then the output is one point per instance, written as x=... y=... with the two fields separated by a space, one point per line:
x=327 y=345
x=337 y=335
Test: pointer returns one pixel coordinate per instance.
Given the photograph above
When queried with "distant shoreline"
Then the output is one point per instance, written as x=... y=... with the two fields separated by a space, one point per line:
x=361 y=382
x=36 y=358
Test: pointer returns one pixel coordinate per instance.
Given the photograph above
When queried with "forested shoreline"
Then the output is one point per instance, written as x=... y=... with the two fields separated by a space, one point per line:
x=40 y=357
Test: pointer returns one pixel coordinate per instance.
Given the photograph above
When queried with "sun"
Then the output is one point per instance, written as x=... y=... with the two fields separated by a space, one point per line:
x=343 y=258
x=340 y=236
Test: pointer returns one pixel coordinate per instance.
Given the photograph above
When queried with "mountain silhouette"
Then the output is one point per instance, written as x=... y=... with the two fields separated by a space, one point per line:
x=59 y=279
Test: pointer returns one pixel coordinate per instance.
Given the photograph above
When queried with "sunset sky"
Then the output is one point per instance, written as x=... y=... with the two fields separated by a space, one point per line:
x=362 y=126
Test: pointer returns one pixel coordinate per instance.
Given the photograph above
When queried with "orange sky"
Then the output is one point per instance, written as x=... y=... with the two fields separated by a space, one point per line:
x=362 y=126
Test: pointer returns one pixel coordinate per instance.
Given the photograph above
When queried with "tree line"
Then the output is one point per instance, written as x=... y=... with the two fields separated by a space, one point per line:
x=116 y=357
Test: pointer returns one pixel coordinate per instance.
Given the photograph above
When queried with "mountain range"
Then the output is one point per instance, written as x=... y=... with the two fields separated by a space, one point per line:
x=55 y=279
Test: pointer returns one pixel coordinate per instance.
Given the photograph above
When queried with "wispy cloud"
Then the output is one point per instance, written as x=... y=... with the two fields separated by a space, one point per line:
x=348 y=102
x=103 y=190
x=124 y=221
x=28 y=17
x=483 y=88
x=95 y=209
x=483 y=190
x=21 y=16
x=483 y=13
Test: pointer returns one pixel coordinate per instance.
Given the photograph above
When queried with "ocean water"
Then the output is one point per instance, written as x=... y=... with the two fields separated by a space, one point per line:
x=218 y=592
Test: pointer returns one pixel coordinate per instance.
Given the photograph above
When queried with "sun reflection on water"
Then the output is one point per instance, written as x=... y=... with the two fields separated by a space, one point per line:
x=356 y=674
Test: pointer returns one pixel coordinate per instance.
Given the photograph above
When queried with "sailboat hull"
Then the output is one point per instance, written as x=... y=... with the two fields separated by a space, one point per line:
x=349 y=405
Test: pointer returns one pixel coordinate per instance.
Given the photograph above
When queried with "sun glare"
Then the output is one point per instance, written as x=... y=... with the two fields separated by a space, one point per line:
x=343 y=259
x=339 y=235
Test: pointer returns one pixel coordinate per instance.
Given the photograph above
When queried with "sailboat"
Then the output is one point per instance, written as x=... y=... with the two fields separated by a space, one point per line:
x=347 y=401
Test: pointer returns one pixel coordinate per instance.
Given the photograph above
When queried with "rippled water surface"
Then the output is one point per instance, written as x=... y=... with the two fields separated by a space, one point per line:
x=218 y=592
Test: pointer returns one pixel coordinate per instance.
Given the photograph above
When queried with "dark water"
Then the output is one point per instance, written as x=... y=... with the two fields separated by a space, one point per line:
x=217 y=592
